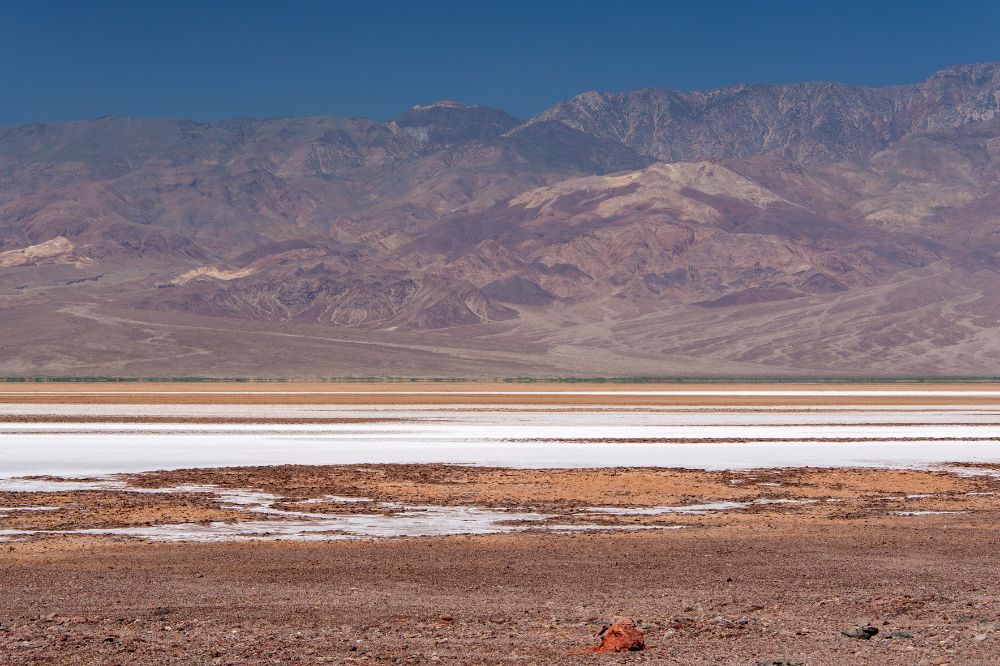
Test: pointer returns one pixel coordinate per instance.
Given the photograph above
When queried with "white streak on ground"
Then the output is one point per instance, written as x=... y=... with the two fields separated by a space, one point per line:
x=397 y=520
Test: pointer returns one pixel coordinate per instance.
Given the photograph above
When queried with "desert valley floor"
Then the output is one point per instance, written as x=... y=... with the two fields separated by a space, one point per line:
x=234 y=523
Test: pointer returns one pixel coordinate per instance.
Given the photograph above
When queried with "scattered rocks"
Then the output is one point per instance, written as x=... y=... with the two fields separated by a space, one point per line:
x=621 y=636
x=781 y=662
x=861 y=632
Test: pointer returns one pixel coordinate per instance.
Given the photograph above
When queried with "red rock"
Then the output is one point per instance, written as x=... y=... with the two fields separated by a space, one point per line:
x=622 y=636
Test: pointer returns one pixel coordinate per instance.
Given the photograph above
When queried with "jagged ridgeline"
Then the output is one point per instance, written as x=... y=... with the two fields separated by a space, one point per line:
x=814 y=226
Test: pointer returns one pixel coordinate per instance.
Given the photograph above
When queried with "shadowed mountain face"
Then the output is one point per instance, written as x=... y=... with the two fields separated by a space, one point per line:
x=799 y=228
x=809 y=123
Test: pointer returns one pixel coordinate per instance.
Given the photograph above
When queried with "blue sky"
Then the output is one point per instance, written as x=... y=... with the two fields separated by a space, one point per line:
x=63 y=60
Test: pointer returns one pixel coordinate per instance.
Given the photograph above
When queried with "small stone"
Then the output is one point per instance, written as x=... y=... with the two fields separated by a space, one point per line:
x=980 y=637
x=861 y=632
x=900 y=634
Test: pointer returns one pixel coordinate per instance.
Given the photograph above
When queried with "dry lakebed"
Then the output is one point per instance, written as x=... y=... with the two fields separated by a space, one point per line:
x=498 y=523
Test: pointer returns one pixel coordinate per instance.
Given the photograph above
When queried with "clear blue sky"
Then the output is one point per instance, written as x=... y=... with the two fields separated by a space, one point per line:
x=207 y=60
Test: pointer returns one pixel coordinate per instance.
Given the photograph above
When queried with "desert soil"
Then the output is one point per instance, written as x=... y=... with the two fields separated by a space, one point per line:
x=769 y=583
x=758 y=585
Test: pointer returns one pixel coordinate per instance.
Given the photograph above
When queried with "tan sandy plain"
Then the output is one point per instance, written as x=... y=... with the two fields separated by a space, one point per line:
x=482 y=393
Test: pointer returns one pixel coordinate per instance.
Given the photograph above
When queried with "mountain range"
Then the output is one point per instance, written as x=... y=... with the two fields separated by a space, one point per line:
x=753 y=230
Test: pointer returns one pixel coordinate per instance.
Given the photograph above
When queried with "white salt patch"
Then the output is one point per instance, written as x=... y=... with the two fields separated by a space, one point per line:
x=504 y=436
x=396 y=520
x=57 y=485
x=442 y=521
x=81 y=455
x=969 y=471
x=691 y=509
x=495 y=436
x=557 y=428
x=333 y=498
x=536 y=415
x=783 y=501
x=923 y=513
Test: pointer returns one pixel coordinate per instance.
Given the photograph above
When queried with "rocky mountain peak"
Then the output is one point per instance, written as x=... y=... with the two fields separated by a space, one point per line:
x=443 y=104
x=448 y=122
x=813 y=122
x=978 y=74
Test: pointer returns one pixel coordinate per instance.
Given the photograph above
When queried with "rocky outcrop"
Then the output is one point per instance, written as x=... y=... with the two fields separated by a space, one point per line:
x=621 y=636
x=363 y=301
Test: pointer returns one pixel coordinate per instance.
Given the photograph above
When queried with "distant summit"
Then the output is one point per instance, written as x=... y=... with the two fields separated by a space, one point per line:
x=448 y=122
x=444 y=103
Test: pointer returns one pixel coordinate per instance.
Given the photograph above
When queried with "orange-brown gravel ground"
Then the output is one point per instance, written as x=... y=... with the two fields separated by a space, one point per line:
x=775 y=582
